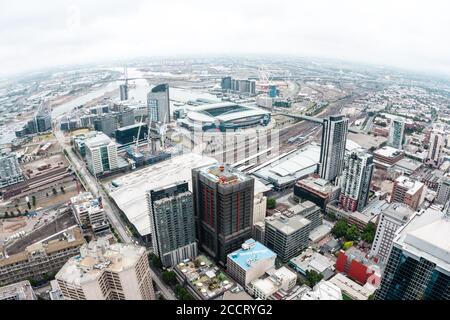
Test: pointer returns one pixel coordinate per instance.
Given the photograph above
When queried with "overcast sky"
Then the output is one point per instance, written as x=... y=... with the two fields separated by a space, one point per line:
x=412 y=34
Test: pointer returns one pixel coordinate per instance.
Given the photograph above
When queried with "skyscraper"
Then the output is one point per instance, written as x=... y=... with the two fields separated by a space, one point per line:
x=396 y=132
x=158 y=104
x=389 y=221
x=223 y=198
x=101 y=154
x=437 y=142
x=171 y=210
x=334 y=138
x=106 y=123
x=418 y=266
x=225 y=83
x=355 y=180
x=443 y=191
x=123 y=92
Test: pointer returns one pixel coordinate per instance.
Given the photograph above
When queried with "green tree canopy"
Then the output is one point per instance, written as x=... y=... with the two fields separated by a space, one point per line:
x=169 y=277
x=340 y=228
x=313 y=277
x=369 y=232
x=352 y=233
x=271 y=203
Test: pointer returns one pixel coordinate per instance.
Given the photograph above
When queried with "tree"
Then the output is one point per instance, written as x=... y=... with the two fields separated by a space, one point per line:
x=369 y=232
x=169 y=277
x=313 y=277
x=352 y=233
x=197 y=262
x=54 y=191
x=62 y=189
x=340 y=228
x=182 y=293
x=154 y=260
x=271 y=203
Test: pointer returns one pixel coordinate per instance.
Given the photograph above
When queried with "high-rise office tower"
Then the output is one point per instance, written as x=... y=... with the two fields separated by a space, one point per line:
x=104 y=271
x=123 y=92
x=106 y=123
x=389 y=221
x=223 y=198
x=101 y=154
x=334 y=138
x=171 y=210
x=437 y=142
x=418 y=267
x=43 y=121
x=443 y=191
x=225 y=83
x=355 y=180
x=396 y=132
x=407 y=191
x=158 y=104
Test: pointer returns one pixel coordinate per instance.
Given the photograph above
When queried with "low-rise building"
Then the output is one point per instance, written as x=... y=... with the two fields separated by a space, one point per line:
x=316 y=190
x=387 y=156
x=351 y=289
x=17 y=291
x=324 y=290
x=311 y=260
x=204 y=280
x=250 y=262
x=280 y=279
x=89 y=213
x=41 y=258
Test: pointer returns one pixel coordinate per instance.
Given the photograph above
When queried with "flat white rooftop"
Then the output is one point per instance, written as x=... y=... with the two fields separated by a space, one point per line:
x=427 y=235
x=388 y=152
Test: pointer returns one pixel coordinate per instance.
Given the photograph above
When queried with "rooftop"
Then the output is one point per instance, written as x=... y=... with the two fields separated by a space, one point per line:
x=427 y=235
x=97 y=256
x=317 y=184
x=224 y=174
x=251 y=252
x=205 y=277
x=287 y=225
x=398 y=211
x=291 y=167
x=100 y=139
x=411 y=185
x=324 y=290
x=351 y=288
x=311 y=260
x=388 y=152
x=130 y=193
x=17 y=291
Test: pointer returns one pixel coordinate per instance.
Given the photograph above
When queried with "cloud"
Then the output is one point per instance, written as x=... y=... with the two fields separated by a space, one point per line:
x=39 y=34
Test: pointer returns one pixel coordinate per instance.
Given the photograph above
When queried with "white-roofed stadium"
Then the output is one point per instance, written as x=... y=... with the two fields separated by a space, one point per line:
x=223 y=117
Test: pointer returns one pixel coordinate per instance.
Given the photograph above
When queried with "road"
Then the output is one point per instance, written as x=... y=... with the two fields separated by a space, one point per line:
x=93 y=185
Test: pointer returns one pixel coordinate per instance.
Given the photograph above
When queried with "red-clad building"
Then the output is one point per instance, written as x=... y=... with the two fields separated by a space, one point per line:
x=353 y=267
